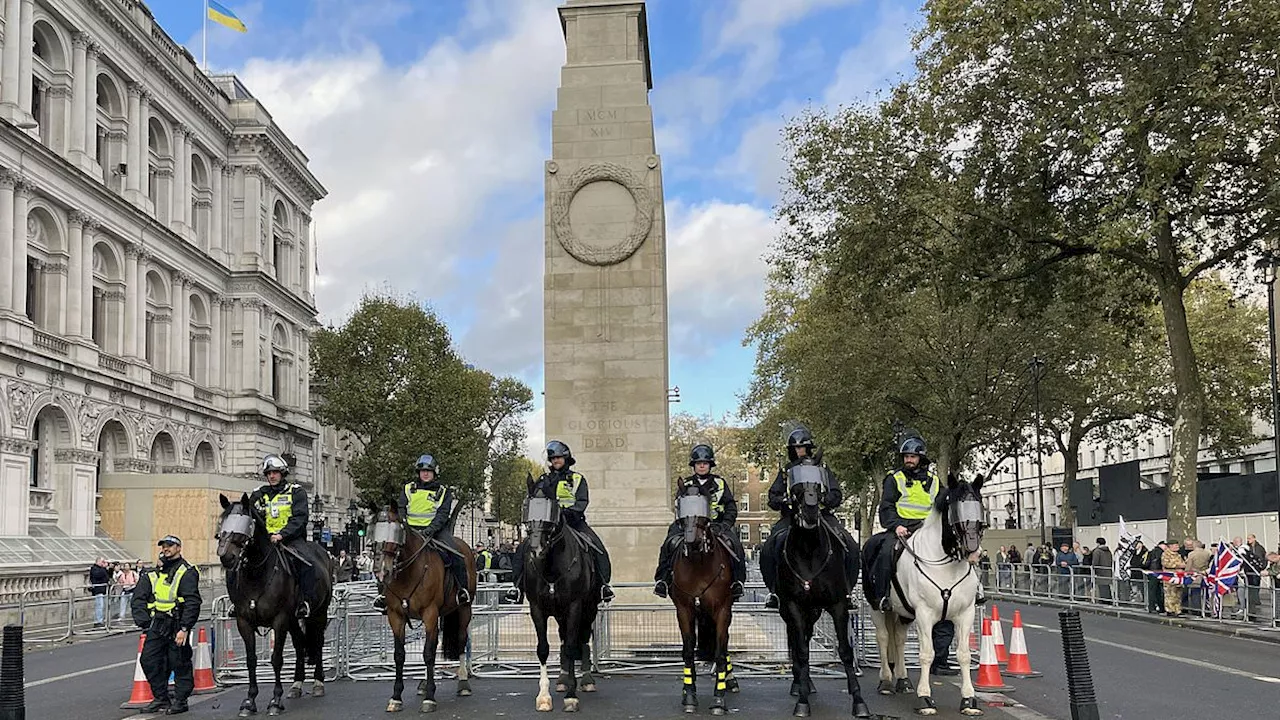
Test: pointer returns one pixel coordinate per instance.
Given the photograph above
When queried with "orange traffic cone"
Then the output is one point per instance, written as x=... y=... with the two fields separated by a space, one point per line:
x=997 y=635
x=141 y=695
x=988 y=668
x=1019 y=661
x=204 y=666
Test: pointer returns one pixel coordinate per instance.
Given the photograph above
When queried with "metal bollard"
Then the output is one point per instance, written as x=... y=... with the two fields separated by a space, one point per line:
x=13 y=704
x=1084 y=705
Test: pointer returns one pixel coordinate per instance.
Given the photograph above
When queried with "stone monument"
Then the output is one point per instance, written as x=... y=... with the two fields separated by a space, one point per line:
x=605 y=288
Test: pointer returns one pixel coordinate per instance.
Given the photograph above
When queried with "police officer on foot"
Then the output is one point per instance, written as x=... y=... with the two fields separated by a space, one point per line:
x=426 y=504
x=724 y=513
x=285 y=507
x=166 y=605
x=569 y=488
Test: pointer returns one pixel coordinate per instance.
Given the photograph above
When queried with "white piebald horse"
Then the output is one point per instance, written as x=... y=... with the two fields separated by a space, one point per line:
x=935 y=580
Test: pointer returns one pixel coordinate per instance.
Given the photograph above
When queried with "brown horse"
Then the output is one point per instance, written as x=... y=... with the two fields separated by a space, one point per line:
x=417 y=585
x=700 y=589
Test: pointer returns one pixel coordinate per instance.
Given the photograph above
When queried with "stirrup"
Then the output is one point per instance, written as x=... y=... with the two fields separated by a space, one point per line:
x=514 y=595
x=737 y=590
x=772 y=601
x=464 y=597
x=660 y=588
x=380 y=604
x=884 y=605
x=606 y=593
x=304 y=610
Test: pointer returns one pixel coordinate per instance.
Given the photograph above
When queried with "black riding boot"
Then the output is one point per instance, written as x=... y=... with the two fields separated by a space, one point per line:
x=769 y=569
x=460 y=577
x=662 y=576
x=307 y=583
x=882 y=570
x=380 y=602
x=605 y=570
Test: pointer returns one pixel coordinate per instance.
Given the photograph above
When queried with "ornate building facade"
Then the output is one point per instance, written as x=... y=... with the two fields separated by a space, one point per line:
x=156 y=285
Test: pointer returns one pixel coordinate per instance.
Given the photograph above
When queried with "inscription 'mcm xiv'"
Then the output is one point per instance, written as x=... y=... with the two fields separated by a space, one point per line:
x=591 y=117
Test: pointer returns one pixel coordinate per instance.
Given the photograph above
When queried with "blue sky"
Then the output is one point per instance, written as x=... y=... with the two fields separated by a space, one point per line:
x=429 y=121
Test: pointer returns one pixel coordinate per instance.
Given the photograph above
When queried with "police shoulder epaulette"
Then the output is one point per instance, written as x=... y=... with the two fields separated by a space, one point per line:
x=576 y=476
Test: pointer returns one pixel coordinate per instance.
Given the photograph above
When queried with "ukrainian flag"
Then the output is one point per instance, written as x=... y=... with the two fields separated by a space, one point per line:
x=225 y=17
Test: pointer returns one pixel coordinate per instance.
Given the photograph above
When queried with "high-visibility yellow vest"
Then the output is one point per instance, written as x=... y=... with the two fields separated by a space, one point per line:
x=567 y=490
x=484 y=560
x=164 y=593
x=915 y=502
x=717 y=495
x=423 y=504
x=278 y=509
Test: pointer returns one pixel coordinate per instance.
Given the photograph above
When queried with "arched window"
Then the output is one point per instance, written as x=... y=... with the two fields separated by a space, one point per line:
x=198 y=350
x=279 y=364
x=158 y=317
x=50 y=86
x=46 y=270
x=201 y=200
x=281 y=237
x=107 y=312
x=111 y=131
x=159 y=175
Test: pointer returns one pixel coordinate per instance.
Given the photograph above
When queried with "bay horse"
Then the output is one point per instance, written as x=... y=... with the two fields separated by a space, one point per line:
x=418 y=585
x=264 y=594
x=934 y=581
x=701 y=575
x=559 y=581
x=811 y=580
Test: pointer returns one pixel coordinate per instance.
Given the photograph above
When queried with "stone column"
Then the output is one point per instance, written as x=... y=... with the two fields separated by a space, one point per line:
x=181 y=335
x=9 y=76
x=181 y=196
x=74 y=492
x=144 y=119
x=86 y=278
x=133 y=296
x=20 y=199
x=251 y=379
x=26 y=39
x=8 y=181
x=91 y=101
x=137 y=136
x=605 y=294
x=307 y=261
x=215 y=341
x=216 y=170
x=251 y=250
x=79 y=94
x=15 y=479
x=73 y=311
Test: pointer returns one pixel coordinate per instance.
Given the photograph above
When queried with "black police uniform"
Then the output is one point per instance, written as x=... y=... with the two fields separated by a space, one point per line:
x=780 y=500
x=293 y=534
x=438 y=528
x=575 y=516
x=161 y=655
x=722 y=524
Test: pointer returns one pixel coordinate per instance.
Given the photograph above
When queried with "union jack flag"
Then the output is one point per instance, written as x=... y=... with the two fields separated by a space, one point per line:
x=1222 y=574
x=1173 y=577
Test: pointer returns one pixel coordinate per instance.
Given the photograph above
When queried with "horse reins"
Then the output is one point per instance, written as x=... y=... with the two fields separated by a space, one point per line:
x=786 y=556
x=697 y=599
x=945 y=592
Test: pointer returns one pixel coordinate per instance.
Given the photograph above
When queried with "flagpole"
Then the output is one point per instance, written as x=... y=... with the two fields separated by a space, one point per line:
x=204 y=37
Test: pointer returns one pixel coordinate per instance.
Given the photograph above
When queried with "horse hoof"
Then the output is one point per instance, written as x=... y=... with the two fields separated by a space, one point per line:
x=732 y=686
x=801 y=710
x=571 y=704
x=903 y=686
x=860 y=709
x=717 y=710
x=561 y=687
x=248 y=711
x=926 y=706
x=428 y=706
x=294 y=693
x=885 y=687
x=588 y=688
x=395 y=706
x=795 y=689
x=274 y=710
x=464 y=689
x=691 y=709
x=543 y=703
x=717 y=706
x=969 y=706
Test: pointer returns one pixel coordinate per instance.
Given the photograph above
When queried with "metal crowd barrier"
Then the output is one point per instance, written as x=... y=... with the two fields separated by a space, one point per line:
x=1099 y=586
x=634 y=638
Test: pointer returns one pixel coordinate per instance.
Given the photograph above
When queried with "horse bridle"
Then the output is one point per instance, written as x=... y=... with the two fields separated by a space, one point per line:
x=557 y=536
x=822 y=534
x=248 y=532
x=710 y=542
x=954 y=518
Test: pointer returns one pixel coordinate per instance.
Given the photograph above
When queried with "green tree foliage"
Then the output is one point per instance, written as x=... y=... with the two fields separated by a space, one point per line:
x=508 y=470
x=391 y=378
x=725 y=439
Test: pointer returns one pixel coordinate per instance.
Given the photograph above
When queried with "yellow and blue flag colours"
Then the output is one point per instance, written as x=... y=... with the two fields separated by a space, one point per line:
x=221 y=15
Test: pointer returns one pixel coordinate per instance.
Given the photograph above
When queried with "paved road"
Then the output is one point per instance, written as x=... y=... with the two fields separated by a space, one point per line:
x=1140 y=670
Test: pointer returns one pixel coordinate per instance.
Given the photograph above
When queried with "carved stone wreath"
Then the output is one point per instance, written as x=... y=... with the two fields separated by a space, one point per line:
x=641 y=222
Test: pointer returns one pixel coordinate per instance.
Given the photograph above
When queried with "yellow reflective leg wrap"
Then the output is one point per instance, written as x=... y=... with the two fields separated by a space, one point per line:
x=720 y=681
x=688 y=676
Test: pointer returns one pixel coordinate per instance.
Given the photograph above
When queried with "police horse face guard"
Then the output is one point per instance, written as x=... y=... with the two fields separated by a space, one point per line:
x=806 y=484
x=542 y=519
x=264 y=594
x=388 y=537
x=694 y=512
x=934 y=581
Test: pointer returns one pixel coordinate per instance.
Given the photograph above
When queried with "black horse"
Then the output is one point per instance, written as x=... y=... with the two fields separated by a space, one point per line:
x=811 y=579
x=265 y=594
x=560 y=581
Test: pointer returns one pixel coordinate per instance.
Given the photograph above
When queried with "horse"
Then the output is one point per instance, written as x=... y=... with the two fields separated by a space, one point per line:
x=417 y=585
x=811 y=579
x=701 y=576
x=559 y=581
x=264 y=594
x=934 y=581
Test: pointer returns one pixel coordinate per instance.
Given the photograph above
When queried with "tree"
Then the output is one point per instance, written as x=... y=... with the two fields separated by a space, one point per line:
x=688 y=430
x=508 y=470
x=1141 y=131
x=391 y=378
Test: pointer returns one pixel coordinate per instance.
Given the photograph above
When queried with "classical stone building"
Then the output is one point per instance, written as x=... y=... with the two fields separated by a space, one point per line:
x=156 y=289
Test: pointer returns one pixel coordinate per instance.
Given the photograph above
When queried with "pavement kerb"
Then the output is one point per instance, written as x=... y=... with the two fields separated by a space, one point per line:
x=1245 y=633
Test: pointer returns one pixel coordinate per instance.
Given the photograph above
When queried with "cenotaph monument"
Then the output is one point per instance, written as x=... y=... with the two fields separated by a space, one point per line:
x=605 y=287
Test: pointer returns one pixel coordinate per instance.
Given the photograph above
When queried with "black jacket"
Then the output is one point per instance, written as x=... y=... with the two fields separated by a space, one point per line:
x=298 y=515
x=98 y=579
x=545 y=486
x=707 y=486
x=443 y=510
x=187 y=612
x=890 y=496
x=780 y=501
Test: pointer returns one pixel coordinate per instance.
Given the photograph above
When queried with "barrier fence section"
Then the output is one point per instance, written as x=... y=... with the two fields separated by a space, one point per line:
x=1099 y=586
x=627 y=638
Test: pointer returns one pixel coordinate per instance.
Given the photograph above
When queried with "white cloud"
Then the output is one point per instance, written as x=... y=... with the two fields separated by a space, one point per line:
x=715 y=272
x=506 y=337
x=536 y=423
x=414 y=156
x=884 y=52
x=759 y=164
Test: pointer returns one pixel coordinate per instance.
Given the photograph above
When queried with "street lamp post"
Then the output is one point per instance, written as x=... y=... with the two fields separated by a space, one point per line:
x=1017 y=487
x=317 y=518
x=1268 y=265
x=1037 y=367
x=353 y=511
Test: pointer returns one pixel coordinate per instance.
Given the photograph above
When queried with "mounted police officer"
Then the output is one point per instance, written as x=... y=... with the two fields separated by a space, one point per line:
x=284 y=505
x=426 y=505
x=905 y=502
x=166 y=605
x=801 y=450
x=724 y=513
x=569 y=488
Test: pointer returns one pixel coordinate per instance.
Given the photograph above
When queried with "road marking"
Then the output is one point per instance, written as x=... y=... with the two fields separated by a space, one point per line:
x=1167 y=656
x=68 y=676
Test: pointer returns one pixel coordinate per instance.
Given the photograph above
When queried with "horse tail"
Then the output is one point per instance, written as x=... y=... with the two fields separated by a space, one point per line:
x=453 y=635
x=704 y=627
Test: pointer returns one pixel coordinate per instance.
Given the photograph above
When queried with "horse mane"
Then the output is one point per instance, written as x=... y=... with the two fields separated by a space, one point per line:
x=963 y=489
